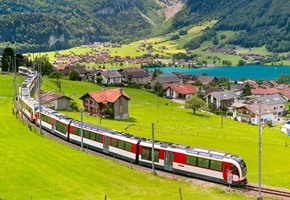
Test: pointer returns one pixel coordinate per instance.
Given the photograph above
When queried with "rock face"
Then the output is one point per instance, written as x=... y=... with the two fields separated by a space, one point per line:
x=52 y=40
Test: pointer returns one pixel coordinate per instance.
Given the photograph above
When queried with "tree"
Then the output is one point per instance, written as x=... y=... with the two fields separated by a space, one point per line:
x=7 y=59
x=194 y=103
x=57 y=75
x=44 y=64
x=74 y=75
x=247 y=90
x=284 y=79
x=158 y=89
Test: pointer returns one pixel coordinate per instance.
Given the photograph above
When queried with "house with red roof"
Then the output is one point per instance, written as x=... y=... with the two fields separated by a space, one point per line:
x=178 y=90
x=113 y=102
x=264 y=91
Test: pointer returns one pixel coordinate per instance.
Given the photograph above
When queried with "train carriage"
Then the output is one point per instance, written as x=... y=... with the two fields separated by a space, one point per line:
x=28 y=107
x=54 y=122
x=196 y=162
x=111 y=142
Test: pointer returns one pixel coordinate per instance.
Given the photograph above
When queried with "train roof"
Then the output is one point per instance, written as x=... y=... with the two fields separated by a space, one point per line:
x=95 y=128
x=194 y=151
x=54 y=114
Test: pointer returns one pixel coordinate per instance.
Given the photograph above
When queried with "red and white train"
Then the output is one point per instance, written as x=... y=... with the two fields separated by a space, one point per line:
x=194 y=162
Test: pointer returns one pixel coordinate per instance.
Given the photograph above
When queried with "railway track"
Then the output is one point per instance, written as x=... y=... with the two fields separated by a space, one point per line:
x=281 y=194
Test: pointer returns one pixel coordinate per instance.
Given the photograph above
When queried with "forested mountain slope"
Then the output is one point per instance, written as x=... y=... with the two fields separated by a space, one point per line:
x=259 y=22
x=47 y=25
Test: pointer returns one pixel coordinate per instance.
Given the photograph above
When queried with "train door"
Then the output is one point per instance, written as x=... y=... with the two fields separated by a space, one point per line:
x=226 y=168
x=53 y=122
x=106 y=144
x=168 y=161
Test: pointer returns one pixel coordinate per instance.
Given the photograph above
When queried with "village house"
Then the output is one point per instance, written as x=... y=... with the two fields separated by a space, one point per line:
x=111 y=77
x=253 y=84
x=275 y=102
x=166 y=79
x=249 y=113
x=221 y=98
x=285 y=93
x=113 y=102
x=205 y=80
x=264 y=91
x=55 y=101
x=134 y=75
x=180 y=91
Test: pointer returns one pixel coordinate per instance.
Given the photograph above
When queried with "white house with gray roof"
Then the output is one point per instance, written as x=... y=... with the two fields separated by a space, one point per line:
x=166 y=79
x=111 y=77
x=221 y=98
x=275 y=102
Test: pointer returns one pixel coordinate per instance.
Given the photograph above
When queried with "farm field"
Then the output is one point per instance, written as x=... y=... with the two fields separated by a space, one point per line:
x=179 y=125
x=35 y=167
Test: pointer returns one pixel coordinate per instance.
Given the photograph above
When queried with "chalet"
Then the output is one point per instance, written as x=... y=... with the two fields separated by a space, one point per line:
x=178 y=90
x=134 y=75
x=205 y=80
x=55 y=101
x=113 y=102
x=249 y=113
x=263 y=91
x=111 y=77
x=221 y=98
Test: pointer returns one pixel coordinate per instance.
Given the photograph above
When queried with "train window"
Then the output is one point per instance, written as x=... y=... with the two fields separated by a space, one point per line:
x=202 y=162
x=98 y=138
x=128 y=146
x=76 y=131
x=191 y=160
x=234 y=169
x=86 y=134
x=93 y=136
x=216 y=165
x=60 y=127
x=114 y=142
x=156 y=156
x=146 y=154
x=45 y=118
x=121 y=144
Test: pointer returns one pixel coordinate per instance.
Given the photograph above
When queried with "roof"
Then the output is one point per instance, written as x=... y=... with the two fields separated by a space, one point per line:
x=254 y=108
x=211 y=90
x=106 y=96
x=252 y=83
x=111 y=74
x=133 y=72
x=50 y=96
x=272 y=99
x=224 y=95
x=168 y=78
x=206 y=79
x=182 y=88
x=285 y=92
x=263 y=91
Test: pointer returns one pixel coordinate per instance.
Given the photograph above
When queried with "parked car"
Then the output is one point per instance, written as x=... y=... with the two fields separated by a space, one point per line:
x=286 y=128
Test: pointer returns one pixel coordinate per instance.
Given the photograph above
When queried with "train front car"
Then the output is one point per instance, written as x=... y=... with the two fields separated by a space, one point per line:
x=28 y=107
x=195 y=162
x=54 y=122
x=235 y=167
x=114 y=143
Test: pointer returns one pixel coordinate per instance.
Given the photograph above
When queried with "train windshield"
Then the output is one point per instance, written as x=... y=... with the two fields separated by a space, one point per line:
x=243 y=168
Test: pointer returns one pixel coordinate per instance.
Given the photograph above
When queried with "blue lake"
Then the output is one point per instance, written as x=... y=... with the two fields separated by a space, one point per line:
x=234 y=72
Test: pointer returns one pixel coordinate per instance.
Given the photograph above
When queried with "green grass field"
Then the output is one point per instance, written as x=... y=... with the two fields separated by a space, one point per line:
x=201 y=130
x=35 y=167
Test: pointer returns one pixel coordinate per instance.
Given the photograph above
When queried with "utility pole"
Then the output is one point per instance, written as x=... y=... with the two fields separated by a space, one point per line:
x=153 y=169
x=82 y=135
x=222 y=110
x=259 y=197
x=15 y=90
x=39 y=97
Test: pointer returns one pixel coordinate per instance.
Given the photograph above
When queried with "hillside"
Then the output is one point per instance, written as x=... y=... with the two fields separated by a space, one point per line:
x=257 y=22
x=37 y=25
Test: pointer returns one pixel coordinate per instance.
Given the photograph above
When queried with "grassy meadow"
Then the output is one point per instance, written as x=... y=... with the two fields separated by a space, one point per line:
x=35 y=167
x=179 y=125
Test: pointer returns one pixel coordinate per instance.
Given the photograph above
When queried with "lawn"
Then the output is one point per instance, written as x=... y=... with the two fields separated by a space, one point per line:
x=35 y=167
x=181 y=126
